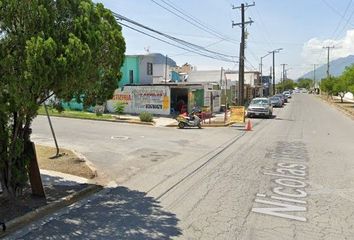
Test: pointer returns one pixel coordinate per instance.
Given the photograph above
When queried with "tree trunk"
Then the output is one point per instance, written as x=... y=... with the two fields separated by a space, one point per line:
x=33 y=171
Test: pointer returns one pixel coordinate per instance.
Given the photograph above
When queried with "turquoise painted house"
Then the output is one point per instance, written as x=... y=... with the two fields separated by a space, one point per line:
x=130 y=71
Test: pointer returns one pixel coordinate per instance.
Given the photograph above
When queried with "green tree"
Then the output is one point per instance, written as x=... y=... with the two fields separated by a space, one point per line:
x=347 y=81
x=305 y=83
x=327 y=86
x=340 y=87
x=285 y=85
x=50 y=47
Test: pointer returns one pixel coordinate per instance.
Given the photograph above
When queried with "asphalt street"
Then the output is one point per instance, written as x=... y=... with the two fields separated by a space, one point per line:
x=292 y=177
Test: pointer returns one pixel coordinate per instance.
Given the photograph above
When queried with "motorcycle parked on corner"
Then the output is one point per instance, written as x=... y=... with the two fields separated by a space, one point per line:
x=191 y=120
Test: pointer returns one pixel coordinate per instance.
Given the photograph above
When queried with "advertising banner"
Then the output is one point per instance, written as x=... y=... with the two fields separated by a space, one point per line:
x=237 y=114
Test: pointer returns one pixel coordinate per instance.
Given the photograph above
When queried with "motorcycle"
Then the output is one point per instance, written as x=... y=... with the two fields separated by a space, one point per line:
x=189 y=121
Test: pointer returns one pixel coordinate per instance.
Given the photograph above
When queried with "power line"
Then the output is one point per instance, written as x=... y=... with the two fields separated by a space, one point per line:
x=336 y=11
x=192 y=20
x=342 y=18
x=180 y=41
x=211 y=44
x=181 y=47
x=172 y=44
x=196 y=22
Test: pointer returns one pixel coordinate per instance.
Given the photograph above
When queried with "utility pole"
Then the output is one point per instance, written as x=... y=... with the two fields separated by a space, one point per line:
x=328 y=49
x=261 y=66
x=274 y=52
x=314 y=76
x=166 y=69
x=283 y=77
x=270 y=80
x=241 y=70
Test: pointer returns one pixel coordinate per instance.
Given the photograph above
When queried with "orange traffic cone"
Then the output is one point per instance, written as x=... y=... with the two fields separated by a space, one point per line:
x=248 y=126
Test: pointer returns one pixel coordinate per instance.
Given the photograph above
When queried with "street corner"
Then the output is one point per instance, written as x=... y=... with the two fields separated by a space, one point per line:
x=61 y=190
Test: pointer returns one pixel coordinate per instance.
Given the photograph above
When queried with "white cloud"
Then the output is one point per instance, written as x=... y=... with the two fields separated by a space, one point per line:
x=313 y=52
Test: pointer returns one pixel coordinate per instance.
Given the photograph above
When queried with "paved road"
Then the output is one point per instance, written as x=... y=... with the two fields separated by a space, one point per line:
x=292 y=177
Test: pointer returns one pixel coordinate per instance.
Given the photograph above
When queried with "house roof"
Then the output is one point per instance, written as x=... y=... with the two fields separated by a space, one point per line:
x=158 y=58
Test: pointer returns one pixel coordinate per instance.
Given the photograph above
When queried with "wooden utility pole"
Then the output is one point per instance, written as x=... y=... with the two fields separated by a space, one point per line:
x=166 y=69
x=283 y=75
x=273 y=77
x=241 y=70
x=314 y=76
x=328 y=49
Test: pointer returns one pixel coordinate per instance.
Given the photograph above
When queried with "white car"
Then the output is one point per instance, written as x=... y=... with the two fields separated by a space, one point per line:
x=287 y=94
x=260 y=107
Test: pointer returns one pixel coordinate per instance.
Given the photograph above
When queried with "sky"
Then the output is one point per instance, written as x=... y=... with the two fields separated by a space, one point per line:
x=300 y=27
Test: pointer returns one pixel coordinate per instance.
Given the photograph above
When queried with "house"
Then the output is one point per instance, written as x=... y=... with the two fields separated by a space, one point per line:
x=151 y=68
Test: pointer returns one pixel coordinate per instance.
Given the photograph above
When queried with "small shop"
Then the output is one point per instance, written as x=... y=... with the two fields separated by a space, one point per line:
x=165 y=99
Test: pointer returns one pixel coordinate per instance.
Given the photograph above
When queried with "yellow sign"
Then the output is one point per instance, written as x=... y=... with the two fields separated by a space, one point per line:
x=165 y=103
x=237 y=114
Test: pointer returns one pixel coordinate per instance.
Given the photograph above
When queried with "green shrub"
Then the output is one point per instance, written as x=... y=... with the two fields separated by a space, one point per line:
x=145 y=117
x=119 y=107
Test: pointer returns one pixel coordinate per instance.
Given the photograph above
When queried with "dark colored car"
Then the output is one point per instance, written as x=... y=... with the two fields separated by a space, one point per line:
x=281 y=96
x=276 y=101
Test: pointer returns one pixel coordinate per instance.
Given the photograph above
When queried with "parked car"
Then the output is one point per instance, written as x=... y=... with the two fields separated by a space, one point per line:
x=282 y=97
x=276 y=101
x=260 y=107
x=287 y=94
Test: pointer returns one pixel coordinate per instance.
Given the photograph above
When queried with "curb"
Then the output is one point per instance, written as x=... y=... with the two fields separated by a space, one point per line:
x=41 y=212
x=89 y=164
x=105 y=120
x=135 y=122
x=338 y=107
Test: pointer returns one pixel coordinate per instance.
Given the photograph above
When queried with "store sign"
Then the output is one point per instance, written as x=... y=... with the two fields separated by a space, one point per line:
x=122 y=97
x=153 y=99
x=237 y=114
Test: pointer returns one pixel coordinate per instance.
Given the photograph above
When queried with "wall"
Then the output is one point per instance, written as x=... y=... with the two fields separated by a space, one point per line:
x=144 y=78
x=137 y=99
x=216 y=102
x=130 y=63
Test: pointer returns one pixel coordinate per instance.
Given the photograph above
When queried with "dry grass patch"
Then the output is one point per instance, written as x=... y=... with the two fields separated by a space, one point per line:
x=68 y=162
x=348 y=107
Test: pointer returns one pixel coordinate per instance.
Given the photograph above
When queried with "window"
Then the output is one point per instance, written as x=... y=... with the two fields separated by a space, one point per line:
x=131 y=76
x=149 y=69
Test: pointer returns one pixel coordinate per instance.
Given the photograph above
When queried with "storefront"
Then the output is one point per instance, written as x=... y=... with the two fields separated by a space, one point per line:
x=165 y=99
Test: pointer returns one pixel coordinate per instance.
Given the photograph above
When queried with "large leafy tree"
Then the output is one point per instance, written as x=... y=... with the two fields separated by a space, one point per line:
x=327 y=86
x=285 y=85
x=341 y=87
x=305 y=83
x=66 y=48
x=347 y=81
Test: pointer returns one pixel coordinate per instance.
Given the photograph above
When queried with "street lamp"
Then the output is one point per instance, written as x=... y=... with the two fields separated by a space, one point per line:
x=274 y=51
x=261 y=68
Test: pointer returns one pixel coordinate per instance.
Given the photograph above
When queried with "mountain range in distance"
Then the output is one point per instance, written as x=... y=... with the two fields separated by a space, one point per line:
x=336 y=68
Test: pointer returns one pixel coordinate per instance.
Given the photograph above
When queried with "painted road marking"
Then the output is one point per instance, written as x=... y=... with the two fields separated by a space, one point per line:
x=288 y=199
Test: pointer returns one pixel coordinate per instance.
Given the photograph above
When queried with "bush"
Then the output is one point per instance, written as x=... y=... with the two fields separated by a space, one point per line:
x=119 y=107
x=145 y=117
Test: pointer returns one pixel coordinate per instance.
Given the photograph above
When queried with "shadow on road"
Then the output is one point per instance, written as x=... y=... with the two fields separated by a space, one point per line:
x=119 y=213
x=55 y=188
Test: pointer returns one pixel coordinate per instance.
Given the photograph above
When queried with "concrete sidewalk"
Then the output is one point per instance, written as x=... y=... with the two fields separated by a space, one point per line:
x=61 y=190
